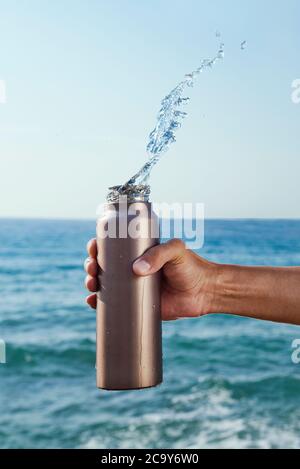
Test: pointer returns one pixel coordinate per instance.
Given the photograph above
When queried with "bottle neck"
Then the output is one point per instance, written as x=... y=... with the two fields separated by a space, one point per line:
x=130 y=194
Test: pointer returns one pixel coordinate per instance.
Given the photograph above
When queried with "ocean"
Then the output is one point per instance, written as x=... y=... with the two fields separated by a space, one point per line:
x=229 y=382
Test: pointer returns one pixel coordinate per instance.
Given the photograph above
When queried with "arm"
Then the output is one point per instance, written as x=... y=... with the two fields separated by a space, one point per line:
x=266 y=293
x=193 y=286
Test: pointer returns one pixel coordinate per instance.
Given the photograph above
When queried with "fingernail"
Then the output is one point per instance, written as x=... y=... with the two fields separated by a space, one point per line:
x=141 y=266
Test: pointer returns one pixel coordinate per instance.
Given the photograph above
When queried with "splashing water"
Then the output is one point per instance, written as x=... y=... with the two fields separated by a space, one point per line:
x=169 y=121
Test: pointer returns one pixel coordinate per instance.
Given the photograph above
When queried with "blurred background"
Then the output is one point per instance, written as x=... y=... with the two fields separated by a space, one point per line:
x=81 y=84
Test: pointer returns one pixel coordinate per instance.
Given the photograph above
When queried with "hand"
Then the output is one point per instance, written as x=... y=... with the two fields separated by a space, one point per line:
x=188 y=280
x=192 y=286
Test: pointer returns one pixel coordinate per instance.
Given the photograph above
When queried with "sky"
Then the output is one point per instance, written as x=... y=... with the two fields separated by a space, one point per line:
x=81 y=84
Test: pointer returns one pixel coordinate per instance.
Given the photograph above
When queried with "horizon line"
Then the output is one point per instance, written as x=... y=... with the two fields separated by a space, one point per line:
x=88 y=219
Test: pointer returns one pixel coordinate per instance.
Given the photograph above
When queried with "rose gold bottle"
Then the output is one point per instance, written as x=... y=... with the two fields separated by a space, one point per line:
x=129 y=338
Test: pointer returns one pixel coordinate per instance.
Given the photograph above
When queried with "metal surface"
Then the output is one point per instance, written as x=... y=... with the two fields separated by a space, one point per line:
x=129 y=338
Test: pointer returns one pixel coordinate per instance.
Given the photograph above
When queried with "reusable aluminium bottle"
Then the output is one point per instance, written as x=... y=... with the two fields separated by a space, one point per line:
x=129 y=337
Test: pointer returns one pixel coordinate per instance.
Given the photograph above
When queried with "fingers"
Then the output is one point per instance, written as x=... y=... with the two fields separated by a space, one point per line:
x=91 y=283
x=92 y=248
x=91 y=266
x=155 y=258
x=92 y=301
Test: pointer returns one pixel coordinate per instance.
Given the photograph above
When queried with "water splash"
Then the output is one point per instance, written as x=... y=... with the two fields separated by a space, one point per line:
x=131 y=191
x=169 y=120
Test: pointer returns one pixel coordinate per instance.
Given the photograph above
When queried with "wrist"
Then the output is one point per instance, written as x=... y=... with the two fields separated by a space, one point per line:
x=238 y=289
x=226 y=291
x=209 y=291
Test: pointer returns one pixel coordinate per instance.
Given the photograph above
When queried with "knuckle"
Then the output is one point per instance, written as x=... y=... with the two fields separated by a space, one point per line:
x=177 y=249
x=92 y=268
x=153 y=254
x=177 y=244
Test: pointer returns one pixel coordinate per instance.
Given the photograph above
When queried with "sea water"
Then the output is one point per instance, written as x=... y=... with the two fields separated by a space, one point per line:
x=228 y=381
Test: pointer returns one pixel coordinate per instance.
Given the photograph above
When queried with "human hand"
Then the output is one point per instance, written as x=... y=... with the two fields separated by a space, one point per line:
x=188 y=280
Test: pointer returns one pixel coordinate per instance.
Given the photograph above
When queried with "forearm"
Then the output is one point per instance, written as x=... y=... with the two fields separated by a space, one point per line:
x=267 y=293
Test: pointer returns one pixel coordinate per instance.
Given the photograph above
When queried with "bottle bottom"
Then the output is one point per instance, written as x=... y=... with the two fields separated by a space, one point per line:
x=103 y=388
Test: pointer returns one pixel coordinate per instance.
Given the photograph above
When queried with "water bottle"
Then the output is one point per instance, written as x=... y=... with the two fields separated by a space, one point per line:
x=129 y=335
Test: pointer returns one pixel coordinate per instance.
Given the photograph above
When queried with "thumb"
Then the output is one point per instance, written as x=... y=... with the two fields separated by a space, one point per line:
x=155 y=258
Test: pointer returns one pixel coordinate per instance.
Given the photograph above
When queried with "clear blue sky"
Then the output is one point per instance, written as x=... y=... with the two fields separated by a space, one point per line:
x=84 y=80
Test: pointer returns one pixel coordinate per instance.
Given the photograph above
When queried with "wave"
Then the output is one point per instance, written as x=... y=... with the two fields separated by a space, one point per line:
x=81 y=353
